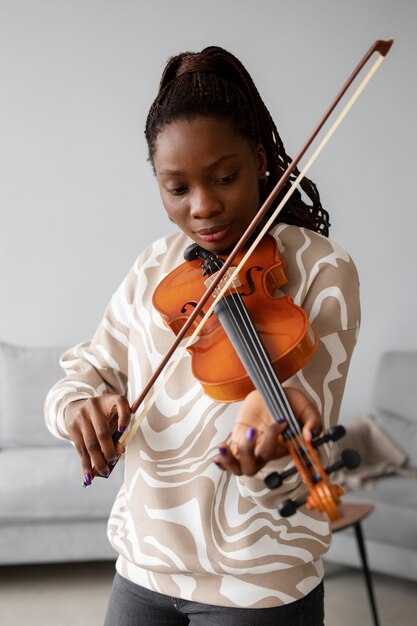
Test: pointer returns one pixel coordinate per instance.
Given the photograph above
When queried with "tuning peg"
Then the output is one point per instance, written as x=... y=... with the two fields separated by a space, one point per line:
x=289 y=507
x=333 y=434
x=349 y=459
x=274 y=480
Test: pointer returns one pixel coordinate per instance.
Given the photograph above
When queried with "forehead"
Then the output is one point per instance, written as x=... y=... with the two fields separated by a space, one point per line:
x=199 y=141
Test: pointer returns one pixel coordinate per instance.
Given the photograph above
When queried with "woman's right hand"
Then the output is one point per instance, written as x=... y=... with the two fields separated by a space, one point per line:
x=90 y=424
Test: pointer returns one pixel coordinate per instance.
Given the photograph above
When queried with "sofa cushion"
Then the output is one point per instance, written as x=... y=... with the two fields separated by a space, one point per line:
x=26 y=375
x=403 y=431
x=394 y=520
x=45 y=484
x=395 y=399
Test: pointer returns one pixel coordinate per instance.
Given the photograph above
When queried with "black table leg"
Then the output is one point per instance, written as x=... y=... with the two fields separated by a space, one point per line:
x=367 y=574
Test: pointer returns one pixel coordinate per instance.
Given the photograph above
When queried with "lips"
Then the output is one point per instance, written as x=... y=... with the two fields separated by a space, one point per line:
x=215 y=233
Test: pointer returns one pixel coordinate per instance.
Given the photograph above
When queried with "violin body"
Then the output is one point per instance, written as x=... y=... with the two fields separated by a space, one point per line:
x=282 y=326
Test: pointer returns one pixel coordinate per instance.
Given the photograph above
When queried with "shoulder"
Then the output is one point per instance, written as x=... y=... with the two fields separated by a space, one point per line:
x=308 y=245
x=310 y=257
x=322 y=275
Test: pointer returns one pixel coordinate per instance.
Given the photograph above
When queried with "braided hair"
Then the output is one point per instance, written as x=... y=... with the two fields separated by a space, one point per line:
x=214 y=83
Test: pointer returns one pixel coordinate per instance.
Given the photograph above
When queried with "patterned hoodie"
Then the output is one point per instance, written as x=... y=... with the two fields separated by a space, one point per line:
x=182 y=526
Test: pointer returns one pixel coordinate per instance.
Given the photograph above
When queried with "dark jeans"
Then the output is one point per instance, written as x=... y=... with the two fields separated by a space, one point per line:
x=132 y=605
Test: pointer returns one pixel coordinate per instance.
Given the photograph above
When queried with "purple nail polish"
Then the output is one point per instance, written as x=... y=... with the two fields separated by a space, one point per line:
x=250 y=434
x=122 y=428
x=87 y=480
x=223 y=451
x=105 y=473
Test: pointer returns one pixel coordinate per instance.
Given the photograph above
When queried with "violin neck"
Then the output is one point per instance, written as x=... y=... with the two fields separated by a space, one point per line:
x=238 y=326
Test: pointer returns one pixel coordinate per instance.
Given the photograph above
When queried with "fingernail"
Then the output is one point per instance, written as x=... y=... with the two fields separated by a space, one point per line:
x=105 y=473
x=223 y=451
x=113 y=462
x=87 y=480
x=250 y=433
x=122 y=428
x=314 y=432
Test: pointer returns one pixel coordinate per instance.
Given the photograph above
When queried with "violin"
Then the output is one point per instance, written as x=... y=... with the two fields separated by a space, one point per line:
x=254 y=340
x=283 y=327
x=306 y=461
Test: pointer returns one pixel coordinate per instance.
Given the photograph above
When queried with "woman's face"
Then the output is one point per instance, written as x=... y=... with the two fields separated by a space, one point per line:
x=208 y=177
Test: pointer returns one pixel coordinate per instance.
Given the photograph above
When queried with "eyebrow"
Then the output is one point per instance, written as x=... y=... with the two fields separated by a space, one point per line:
x=209 y=167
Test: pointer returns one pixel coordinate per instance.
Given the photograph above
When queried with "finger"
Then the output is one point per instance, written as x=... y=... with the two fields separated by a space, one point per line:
x=270 y=446
x=82 y=434
x=85 y=461
x=100 y=444
x=310 y=430
x=305 y=411
x=120 y=414
x=227 y=461
x=311 y=422
x=249 y=464
x=123 y=413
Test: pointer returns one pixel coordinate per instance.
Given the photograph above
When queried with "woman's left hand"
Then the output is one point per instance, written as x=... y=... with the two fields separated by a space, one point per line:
x=257 y=437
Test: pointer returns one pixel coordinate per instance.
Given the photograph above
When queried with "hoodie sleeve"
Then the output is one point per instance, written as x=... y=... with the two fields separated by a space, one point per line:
x=98 y=366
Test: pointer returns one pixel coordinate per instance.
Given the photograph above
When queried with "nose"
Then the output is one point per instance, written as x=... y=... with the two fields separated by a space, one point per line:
x=205 y=204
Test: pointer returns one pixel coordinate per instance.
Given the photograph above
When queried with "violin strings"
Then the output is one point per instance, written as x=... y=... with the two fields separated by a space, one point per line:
x=261 y=364
x=278 y=399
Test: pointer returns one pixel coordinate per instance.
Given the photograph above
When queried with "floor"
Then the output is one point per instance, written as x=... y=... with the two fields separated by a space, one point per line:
x=76 y=595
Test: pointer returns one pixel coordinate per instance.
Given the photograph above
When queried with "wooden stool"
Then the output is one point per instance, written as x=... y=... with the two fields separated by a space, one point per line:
x=353 y=514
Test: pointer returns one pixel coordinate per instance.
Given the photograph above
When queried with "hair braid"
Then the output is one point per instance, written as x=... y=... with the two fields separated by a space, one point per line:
x=214 y=83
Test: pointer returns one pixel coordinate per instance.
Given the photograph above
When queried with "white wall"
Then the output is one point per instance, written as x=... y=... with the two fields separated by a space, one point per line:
x=77 y=197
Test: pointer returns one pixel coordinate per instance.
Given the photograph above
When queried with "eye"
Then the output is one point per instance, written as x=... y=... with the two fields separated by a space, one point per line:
x=226 y=180
x=180 y=190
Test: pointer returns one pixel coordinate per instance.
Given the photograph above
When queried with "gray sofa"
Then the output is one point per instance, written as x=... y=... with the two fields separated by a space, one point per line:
x=391 y=529
x=45 y=514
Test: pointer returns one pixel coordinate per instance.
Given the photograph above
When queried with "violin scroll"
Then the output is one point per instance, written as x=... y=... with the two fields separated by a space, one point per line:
x=322 y=496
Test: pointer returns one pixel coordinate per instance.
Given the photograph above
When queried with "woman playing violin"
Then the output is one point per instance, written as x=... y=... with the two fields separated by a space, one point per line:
x=199 y=537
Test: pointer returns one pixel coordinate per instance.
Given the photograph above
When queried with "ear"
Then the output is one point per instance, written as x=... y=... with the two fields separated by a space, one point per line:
x=261 y=161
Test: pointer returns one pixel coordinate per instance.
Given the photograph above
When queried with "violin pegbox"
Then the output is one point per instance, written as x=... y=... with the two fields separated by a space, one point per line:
x=322 y=496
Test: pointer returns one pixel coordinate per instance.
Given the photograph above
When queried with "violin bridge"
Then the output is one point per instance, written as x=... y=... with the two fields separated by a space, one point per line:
x=233 y=285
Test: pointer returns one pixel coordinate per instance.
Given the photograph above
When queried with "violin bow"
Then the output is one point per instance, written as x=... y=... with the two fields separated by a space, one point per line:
x=381 y=47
